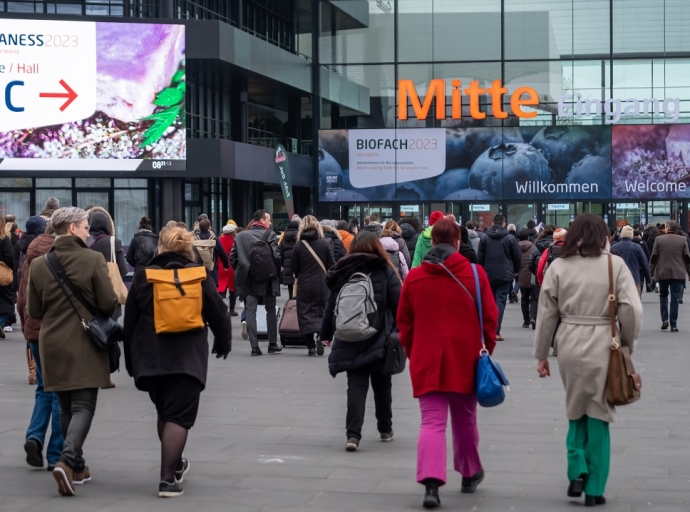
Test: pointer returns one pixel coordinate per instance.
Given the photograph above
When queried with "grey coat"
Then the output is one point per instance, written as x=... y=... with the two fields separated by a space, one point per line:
x=239 y=259
x=573 y=305
x=670 y=257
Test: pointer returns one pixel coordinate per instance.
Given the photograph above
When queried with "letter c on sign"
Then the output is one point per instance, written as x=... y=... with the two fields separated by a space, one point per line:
x=8 y=96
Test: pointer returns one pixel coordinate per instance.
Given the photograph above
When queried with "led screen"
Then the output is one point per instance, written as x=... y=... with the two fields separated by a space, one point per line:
x=651 y=161
x=92 y=96
x=465 y=164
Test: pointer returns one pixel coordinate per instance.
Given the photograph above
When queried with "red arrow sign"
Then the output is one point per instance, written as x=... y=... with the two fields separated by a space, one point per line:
x=70 y=95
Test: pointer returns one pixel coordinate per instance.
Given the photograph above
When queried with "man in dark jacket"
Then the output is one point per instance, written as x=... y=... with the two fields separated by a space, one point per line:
x=500 y=256
x=143 y=246
x=634 y=257
x=670 y=267
x=287 y=245
x=374 y=225
x=525 y=276
x=543 y=241
x=254 y=291
x=410 y=227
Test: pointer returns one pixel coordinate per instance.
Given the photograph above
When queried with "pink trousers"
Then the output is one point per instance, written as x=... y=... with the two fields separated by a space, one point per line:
x=431 y=447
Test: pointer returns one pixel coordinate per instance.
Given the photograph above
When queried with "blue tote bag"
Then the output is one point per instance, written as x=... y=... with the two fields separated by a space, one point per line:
x=490 y=381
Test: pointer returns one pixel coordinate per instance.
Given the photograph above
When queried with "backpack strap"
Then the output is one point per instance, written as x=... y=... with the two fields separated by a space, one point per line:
x=266 y=235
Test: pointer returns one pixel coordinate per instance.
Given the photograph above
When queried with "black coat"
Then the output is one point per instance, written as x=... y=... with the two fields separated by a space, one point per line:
x=540 y=245
x=468 y=252
x=7 y=293
x=500 y=255
x=100 y=231
x=312 y=292
x=347 y=355
x=142 y=249
x=337 y=242
x=287 y=245
x=410 y=236
x=148 y=354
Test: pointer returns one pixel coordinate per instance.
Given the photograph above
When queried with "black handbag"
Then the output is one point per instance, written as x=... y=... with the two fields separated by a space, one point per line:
x=394 y=357
x=102 y=330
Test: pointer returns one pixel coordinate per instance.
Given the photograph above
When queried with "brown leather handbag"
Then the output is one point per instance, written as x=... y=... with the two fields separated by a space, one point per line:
x=623 y=385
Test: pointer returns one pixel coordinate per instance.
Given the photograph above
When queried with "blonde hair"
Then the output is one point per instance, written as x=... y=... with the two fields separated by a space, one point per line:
x=178 y=240
x=3 y=228
x=390 y=227
x=307 y=223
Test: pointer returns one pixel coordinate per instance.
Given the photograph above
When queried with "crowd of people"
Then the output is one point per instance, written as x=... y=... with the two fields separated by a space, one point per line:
x=355 y=284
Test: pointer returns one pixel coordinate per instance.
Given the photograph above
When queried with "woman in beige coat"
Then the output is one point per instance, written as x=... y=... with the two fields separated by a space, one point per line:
x=573 y=307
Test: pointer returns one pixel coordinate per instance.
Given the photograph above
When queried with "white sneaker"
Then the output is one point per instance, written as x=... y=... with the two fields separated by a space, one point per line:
x=8 y=329
x=245 y=336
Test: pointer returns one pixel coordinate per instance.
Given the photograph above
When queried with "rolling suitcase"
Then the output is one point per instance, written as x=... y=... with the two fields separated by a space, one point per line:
x=261 y=323
x=289 y=325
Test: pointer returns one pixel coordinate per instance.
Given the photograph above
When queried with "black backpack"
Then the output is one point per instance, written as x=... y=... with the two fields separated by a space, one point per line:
x=395 y=260
x=262 y=266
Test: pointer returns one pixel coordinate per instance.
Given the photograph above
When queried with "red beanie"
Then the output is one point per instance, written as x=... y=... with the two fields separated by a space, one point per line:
x=436 y=215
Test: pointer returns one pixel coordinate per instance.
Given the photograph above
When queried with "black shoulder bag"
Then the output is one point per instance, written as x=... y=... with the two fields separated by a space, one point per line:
x=394 y=357
x=103 y=331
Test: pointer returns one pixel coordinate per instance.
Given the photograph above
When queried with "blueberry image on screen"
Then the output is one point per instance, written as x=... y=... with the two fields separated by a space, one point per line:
x=479 y=140
x=468 y=194
x=563 y=146
x=415 y=190
x=593 y=175
x=450 y=181
x=330 y=173
x=456 y=153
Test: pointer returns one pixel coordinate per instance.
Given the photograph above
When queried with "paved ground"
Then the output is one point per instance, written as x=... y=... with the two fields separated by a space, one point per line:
x=270 y=437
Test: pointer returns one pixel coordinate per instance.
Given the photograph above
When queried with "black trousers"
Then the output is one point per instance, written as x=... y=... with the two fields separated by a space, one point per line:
x=357 y=388
x=534 y=302
x=77 y=408
x=290 y=291
x=525 y=300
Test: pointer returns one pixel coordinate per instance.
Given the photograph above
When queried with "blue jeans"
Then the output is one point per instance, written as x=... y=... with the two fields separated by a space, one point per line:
x=501 y=292
x=5 y=320
x=45 y=404
x=676 y=287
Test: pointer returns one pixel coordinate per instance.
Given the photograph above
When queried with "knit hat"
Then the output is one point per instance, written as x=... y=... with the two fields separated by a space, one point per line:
x=435 y=215
x=229 y=228
x=232 y=223
x=559 y=235
x=35 y=225
x=627 y=232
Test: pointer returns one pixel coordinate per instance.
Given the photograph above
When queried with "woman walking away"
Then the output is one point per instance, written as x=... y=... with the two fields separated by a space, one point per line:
x=331 y=232
x=311 y=259
x=226 y=277
x=395 y=246
x=410 y=228
x=574 y=313
x=72 y=365
x=166 y=344
x=143 y=246
x=286 y=247
x=444 y=349
x=7 y=295
x=362 y=359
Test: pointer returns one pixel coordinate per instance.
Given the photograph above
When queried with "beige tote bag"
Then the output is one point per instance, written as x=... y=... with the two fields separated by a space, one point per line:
x=114 y=273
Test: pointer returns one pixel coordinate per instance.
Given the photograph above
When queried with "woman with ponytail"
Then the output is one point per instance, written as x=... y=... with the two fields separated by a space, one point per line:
x=172 y=366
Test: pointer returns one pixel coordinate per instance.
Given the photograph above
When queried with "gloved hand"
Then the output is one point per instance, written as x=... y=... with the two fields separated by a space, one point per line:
x=221 y=351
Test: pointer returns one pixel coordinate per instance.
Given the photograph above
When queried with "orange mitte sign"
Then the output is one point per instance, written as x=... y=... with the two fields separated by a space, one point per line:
x=407 y=92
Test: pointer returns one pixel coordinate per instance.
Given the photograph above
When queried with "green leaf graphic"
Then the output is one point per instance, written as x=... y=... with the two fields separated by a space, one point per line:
x=182 y=87
x=168 y=97
x=164 y=120
x=177 y=77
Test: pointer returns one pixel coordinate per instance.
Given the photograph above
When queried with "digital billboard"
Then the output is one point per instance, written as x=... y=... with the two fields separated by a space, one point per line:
x=651 y=161
x=465 y=164
x=92 y=96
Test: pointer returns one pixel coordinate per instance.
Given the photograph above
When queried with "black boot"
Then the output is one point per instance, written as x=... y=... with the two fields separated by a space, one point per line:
x=431 y=499
x=590 y=501
x=576 y=487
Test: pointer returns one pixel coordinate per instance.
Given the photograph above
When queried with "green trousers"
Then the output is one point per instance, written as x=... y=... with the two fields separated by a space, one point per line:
x=589 y=453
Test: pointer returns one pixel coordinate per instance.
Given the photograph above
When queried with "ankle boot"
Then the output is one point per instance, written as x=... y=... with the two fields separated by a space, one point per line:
x=590 y=501
x=431 y=499
x=32 y=366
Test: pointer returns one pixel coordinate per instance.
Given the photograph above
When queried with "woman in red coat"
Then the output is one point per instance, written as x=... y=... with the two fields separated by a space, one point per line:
x=226 y=278
x=441 y=336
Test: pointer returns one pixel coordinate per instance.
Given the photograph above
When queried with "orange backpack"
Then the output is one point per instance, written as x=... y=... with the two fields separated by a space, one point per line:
x=177 y=298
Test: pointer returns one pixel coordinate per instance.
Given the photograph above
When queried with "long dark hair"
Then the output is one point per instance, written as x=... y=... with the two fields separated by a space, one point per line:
x=587 y=237
x=368 y=242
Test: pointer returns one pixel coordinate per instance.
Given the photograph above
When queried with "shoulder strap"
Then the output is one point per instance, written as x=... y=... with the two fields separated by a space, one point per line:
x=612 y=304
x=477 y=301
x=58 y=272
x=112 y=249
x=323 y=267
x=266 y=235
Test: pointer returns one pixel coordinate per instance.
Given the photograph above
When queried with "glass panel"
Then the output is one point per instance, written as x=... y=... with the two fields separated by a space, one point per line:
x=591 y=27
x=15 y=182
x=130 y=183
x=17 y=204
x=85 y=199
x=538 y=29
x=677 y=36
x=483 y=214
x=42 y=195
x=92 y=183
x=521 y=214
x=385 y=212
x=638 y=26
x=629 y=213
x=130 y=207
x=54 y=182
x=20 y=7
x=559 y=214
